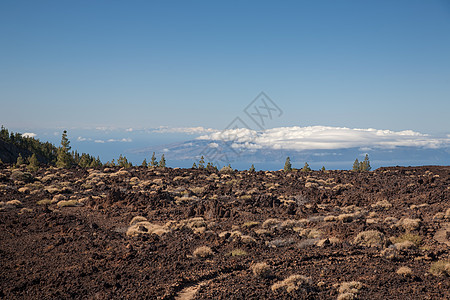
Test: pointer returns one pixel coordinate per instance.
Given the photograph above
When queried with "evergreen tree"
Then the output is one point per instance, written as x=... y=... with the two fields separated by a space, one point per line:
x=144 y=163
x=323 y=169
x=287 y=165
x=194 y=166
x=306 y=168
x=365 y=165
x=153 y=162
x=84 y=161
x=20 y=160
x=123 y=162
x=33 y=163
x=252 y=168
x=162 y=162
x=64 y=159
x=201 y=163
x=211 y=167
x=356 y=166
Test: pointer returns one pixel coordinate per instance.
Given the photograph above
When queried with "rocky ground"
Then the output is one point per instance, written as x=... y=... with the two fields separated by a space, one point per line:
x=193 y=234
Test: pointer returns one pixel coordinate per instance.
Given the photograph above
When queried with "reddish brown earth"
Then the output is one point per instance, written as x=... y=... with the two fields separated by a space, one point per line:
x=52 y=251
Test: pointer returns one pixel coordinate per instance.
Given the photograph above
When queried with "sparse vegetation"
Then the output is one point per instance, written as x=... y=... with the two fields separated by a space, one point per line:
x=293 y=283
x=306 y=168
x=237 y=252
x=203 y=252
x=440 y=268
x=404 y=271
x=261 y=270
x=370 y=238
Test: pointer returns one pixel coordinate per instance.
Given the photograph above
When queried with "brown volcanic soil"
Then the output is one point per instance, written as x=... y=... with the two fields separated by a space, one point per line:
x=52 y=251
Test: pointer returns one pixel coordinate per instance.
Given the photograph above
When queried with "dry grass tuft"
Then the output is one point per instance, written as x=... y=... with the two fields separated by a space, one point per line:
x=68 y=203
x=384 y=204
x=349 y=290
x=237 y=252
x=404 y=271
x=440 y=268
x=145 y=227
x=203 y=252
x=293 y=283
x=408 y=224
x=370 y=238
x=261 y=270
x=250 y=224
x=269 y=223
x=137 y=219
x=414 y=238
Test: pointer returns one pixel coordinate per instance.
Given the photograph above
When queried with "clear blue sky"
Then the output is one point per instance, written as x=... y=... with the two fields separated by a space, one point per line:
x=379 y=64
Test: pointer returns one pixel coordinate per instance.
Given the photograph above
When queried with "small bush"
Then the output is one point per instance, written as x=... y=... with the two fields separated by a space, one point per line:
x=250 y=224
x=440 y=268
x=293 y=283
x=370 y=238
x=67 y=203
x=409 y=224
x=237 y=252
x=137 y=219
x=261 y=270
x=352 y=287
x=226 y=170
x=269 y=223
x=414 y=238
x=44 y=202
x=203 y=252
x=382 y=204
x=404 y=271
x=18 y=175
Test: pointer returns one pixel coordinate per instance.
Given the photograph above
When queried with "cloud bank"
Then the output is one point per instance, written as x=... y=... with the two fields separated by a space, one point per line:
x=324 y=137
x=187 y=130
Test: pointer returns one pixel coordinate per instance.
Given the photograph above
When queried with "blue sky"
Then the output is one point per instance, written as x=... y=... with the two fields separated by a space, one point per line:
x=144 y=64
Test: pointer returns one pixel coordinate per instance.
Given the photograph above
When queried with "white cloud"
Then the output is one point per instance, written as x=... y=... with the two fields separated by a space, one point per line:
x=29 y=134
x=83 y=139
x=188 y=130
x=124 y=140
x=213 y=145
x=324 y=137
x=129 y=129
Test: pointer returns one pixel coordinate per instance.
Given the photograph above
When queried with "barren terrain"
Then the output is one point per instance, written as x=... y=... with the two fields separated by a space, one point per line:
x=161 y=233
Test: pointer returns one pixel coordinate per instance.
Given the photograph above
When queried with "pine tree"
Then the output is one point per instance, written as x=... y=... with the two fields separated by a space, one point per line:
x=323 y=169
x=162 y=162
x=33 y=163
x=20 y=160
x=153 y=162
x=123 y=162
x=356 y=166
x=194 y=166
x=201 y=163
x=306 y=168
x=64 y=159
x=287 y=165
x=144 y=163
x=252 y=168
x=365 y=165
x=84 y=162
